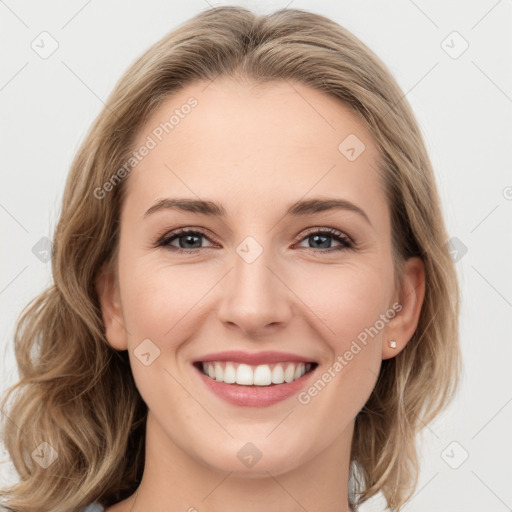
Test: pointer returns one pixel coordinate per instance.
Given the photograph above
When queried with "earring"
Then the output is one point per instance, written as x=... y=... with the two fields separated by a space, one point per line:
x=392 y=344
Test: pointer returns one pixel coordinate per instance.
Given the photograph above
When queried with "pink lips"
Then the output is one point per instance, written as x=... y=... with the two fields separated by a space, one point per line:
x=254 y=396
x=256 y=358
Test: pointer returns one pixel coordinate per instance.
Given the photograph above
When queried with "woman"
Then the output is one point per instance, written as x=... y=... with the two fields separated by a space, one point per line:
x=254 y=370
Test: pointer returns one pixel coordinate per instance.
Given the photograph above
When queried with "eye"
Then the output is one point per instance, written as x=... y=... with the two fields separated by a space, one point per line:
x=320 y=238
x=188 y=240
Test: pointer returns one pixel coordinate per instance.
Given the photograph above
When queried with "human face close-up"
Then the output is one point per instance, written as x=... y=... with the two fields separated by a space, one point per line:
x=256 y=279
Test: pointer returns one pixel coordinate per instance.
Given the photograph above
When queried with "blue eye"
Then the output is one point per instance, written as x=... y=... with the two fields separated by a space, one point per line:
x=185 y=238
x=190 y=240
x=321 y=237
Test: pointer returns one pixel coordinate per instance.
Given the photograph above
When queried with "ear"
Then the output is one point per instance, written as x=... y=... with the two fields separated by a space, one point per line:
x=108 y=294
x=410 y=296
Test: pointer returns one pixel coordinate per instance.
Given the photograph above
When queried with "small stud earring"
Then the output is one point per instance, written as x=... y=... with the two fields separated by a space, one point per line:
x=392 y=344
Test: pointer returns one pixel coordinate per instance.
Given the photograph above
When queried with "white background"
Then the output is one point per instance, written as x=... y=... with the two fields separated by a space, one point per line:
x=464 y=106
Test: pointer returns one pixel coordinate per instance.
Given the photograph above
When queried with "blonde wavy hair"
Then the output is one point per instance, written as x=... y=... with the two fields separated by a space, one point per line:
x=78 y=394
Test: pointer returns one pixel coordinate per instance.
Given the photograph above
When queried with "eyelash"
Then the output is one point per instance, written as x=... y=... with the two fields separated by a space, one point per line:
x=346 y=242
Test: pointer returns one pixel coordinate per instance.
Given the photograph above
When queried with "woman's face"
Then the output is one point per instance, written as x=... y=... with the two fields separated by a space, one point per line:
x=263 y=278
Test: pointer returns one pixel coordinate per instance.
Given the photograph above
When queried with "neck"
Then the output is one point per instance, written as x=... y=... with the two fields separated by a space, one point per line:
x=172 y=478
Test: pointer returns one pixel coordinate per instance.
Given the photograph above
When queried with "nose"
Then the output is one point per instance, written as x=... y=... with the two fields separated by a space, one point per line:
x=255 y=296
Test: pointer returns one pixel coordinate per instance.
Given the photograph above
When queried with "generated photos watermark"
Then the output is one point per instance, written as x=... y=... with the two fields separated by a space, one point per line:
x=151 y=142
x=305 y=397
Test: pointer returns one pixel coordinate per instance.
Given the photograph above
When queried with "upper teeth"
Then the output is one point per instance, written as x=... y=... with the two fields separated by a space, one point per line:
x=260 y=375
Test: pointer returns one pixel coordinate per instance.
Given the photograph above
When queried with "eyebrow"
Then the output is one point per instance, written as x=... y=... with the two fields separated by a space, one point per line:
x=297 y=209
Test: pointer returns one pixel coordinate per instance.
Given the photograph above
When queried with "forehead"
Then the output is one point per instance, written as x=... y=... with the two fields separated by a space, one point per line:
x=248 y=143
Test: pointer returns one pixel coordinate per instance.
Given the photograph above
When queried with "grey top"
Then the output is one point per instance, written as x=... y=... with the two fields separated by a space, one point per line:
x=93 y=507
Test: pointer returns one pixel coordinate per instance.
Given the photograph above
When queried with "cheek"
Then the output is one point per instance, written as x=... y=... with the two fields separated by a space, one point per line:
x=347 y=300
x=160 y=304
x=160 y=298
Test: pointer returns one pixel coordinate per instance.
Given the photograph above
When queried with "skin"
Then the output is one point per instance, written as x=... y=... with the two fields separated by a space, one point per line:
x=256 y=150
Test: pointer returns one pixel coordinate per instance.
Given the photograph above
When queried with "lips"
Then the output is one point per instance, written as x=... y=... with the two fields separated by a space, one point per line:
x=256 y=358
x=258 y=379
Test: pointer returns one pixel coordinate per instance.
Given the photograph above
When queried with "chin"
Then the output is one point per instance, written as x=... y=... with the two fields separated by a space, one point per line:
x=252 y=459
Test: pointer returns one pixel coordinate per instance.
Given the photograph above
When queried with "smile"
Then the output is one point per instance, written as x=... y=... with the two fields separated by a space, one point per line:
x=231 y=372
x=262 y=385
